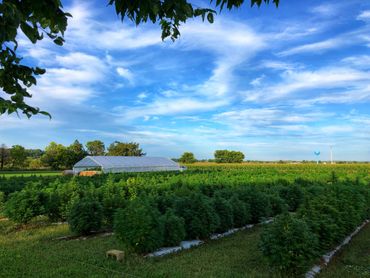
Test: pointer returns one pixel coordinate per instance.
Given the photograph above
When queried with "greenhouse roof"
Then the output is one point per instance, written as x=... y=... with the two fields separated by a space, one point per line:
x=125 y=162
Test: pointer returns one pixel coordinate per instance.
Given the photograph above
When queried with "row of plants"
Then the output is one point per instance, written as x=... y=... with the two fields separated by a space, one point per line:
x=329 y=213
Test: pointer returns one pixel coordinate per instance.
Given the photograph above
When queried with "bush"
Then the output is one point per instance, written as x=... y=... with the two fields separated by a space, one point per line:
x=225 y=212
x=86 y=216
x=174 y=229
x=293 y=196
x=260 y=206
x=138 y=225
x=23 y=205
x=241 y=212
x=200 y=217
x=288 y=244
x=278 y=205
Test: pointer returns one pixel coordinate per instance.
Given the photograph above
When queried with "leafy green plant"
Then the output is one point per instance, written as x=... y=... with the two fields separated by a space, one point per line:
x=174 y=228
x=86 y=216
x=24 y=205
x=224 y=211
x=138 y=225
x=288 y=244
x=200 y=217
x=241 y=212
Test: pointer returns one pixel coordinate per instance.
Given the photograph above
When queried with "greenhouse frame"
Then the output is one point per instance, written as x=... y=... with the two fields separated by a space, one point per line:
x=118 y=164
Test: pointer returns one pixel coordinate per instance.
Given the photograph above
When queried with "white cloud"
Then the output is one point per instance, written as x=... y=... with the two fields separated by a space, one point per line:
x=125 y=73
x=316 y=47
x=300 y=81
x=257 y=81
x=364 y=16
x=325 y=10
x=165 y=107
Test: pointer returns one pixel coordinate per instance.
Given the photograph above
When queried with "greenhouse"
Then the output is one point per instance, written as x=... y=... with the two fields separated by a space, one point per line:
x=118 y=164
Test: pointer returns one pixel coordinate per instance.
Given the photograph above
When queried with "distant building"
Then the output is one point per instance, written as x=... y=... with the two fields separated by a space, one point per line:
x=118 y=164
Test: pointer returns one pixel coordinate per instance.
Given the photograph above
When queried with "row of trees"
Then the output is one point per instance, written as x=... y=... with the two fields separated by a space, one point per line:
x=57 y=156
x=221 y=156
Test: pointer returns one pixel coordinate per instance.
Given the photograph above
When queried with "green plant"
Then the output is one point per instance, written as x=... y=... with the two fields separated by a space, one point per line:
x=22 y=206
x=174 y=228
x=138 y=225
x=288 y=244
x=293 y=196
x=241 y=212
x=224 y=211
x=200 y=217
x=86 y=216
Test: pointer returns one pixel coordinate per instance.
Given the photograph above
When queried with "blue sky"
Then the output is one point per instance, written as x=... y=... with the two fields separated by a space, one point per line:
x=273 y=83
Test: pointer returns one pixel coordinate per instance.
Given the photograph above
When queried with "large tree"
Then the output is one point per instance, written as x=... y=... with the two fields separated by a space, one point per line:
x=225 y=156
x=125 y=149
x=95 y=147
x=187 y=157
x=55 y=156
x=37 y=18
x=75 y=152
x=18 y=156
x=4 y=155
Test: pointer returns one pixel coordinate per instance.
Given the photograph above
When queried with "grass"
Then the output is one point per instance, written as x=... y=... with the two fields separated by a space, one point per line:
x=353 y=260
x=29 y=173
x=32 y=252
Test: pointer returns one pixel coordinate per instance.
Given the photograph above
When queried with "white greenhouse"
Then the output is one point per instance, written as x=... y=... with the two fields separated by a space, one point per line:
x=118 y=164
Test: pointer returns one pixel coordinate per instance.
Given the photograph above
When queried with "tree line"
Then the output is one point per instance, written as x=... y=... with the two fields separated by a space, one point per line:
x=57 y=156
x=220 y=156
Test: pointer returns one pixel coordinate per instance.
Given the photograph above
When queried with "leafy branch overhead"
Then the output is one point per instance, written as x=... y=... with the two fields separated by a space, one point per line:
x=39 y=18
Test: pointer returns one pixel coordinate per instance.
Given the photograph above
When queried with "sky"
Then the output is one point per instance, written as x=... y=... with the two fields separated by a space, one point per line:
x=272 y=83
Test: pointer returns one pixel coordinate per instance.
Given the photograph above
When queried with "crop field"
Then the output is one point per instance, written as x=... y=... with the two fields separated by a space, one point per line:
x=314 y=208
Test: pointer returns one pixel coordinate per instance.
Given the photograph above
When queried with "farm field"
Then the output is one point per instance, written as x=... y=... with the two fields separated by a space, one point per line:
x=320 y=205
x=234 y=256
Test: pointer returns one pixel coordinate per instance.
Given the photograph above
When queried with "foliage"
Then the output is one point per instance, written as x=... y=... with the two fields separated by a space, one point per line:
x=224 y=211
x=125 y=149
x=95 y=148
x=86 y=215
x=138 y=225
x=288 y=244
x=241 y=212
x=174 y=228
x=187 y=157
x=18 y=156
x=34 y=18
x=24 y=205
x=293 y=195
x=200 y=217
x=225 y=156
x=4 y=155
x=55 y=156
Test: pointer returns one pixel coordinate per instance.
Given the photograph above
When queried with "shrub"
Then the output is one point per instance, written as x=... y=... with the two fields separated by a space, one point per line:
x=278 y=205
x=225 y=212
x=241 y=212
x=200 y=217
x=86 y=216
x=288 y=244
x=293 y=196
x=174 y=228
x=138 y=225
x=259 y=203
x=23 y=205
